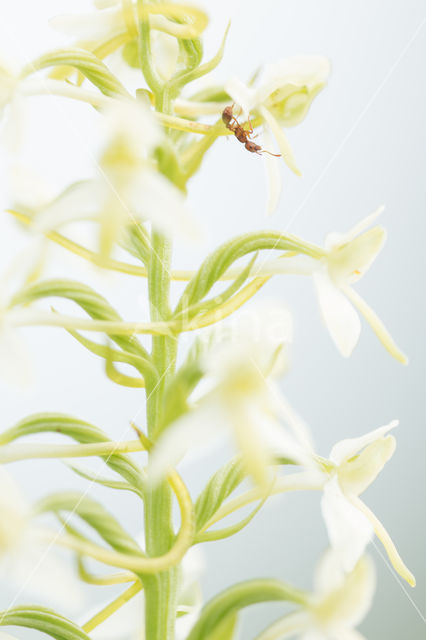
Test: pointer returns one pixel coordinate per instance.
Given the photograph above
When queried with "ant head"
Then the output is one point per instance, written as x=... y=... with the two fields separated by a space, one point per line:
x=252 y=146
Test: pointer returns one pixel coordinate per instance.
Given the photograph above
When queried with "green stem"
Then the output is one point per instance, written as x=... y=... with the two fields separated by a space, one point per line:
x=161 y=588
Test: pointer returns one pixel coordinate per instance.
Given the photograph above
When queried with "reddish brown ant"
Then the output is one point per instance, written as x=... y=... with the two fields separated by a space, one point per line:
x=242 y=135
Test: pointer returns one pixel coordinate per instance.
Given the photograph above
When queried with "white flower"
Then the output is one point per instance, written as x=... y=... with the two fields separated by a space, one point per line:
x=339 y=603
x=282 y=99
x=26 y=561
x=128 y=622
x=11 y=106
x=355 y=464
x=128 y=187
x=111 y=19
x=242 y=399
x=15 y=362
x=348 y=258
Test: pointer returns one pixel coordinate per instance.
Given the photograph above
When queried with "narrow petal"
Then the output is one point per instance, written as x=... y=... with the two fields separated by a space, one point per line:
x=273 y=174
x=377 y=325
x=281 y=138
x=333 y=239
x=351 y=446
x=340 y=317
x=348 y=529
x=386 y=541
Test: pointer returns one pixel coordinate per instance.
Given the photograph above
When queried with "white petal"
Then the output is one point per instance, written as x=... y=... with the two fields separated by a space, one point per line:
x=90 y=26
x=288 y=626
x=386 y=541
x=156 y=199
x=344 y=607
x=299 y=71
x=241 y=94
x=6 y=636
x=351 y=446
x=273 y=174
x=80 y=201
x=15 y=361
x=333 y=239
x=377 y=325
x=198 y=427
x=281 y=138
x=133 y=123
x=349 y=262
x=340 y=317
x=348 y=529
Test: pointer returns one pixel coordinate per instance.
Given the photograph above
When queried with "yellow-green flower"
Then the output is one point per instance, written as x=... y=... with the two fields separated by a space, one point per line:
x=355 y=465
x=282 y=99
x=348 y=258
x=338 y=604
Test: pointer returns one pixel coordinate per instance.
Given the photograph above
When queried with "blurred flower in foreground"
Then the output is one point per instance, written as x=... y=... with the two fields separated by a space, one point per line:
x=28 y=562
x=128 y=622
x=354 y=465
x=349 y=256
x=128 y=187
x=339 y=603
x=242 y=399
x=15 y=362
x=282 y=99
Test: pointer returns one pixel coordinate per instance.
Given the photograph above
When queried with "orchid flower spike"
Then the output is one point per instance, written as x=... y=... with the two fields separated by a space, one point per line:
x=282 y=99
x=338 y=604
x=354 y=465
x=242 y=400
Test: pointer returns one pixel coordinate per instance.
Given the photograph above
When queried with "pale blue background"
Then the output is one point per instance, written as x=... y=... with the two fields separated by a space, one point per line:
x=362 y=145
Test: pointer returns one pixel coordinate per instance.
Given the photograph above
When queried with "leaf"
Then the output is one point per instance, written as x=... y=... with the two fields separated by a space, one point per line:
x=44 y=620
x=202 y=307
x=137 y=242
x=219 y=487
x=188 y=76
x=225 y=629
x=177 y=392
x=227 y=532
x=230 y=602
x=84 y=61
x=93 y=514
x=142 y=365
x=95 y=305
x=215 y=265
x=80 y=431
x=88 y=474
